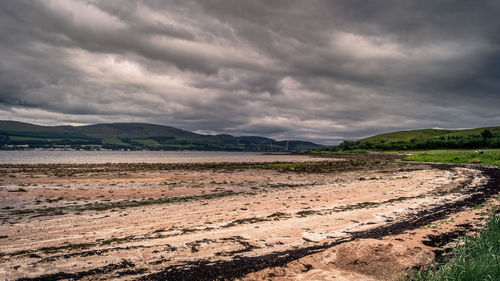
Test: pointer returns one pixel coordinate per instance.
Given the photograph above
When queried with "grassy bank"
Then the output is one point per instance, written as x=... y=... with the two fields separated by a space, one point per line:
x=486 y=156
x=478 y=258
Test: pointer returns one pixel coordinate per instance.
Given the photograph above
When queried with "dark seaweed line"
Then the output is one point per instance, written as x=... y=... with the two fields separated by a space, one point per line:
x=241 y=266
x=368 y=204
x=424 y=217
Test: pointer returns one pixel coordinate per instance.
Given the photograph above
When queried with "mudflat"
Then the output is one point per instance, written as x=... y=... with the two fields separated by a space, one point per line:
x=366 y=217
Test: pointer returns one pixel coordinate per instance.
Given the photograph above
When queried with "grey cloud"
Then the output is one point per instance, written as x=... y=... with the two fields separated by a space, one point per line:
x=314 y=70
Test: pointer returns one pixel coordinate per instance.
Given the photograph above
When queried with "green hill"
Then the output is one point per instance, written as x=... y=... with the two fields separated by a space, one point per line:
x=488 y=137
x=427 y=134
x=133 y=136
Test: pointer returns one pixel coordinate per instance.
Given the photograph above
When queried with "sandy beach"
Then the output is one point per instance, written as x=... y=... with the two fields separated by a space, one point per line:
x=345 y=218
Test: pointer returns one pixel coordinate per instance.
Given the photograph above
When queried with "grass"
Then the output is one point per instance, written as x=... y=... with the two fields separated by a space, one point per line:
x=114 y=141
x=427 y=133
x=20 y=139
x=478 y=258
x=486 y=156
x=147 y=142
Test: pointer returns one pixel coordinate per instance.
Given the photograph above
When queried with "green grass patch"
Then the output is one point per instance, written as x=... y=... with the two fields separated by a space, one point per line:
x=486 y=156
x=20 y=139
x=428 y=133
x=114 y=141
x=147 y=142
x=477 y=259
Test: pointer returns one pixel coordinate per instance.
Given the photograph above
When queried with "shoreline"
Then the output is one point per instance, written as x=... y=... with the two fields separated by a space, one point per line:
x=243 y=220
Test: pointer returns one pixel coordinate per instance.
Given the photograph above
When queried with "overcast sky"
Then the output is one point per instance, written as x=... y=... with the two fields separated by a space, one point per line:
x=312 y=70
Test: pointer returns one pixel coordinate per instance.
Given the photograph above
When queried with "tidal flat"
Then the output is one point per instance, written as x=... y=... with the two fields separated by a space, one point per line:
x=277 y=220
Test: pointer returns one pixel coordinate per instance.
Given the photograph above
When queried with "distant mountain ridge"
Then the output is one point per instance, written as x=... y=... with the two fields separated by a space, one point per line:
x=133 y=136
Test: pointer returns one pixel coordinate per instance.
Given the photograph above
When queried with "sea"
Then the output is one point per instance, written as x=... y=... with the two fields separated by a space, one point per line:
x=99 y=157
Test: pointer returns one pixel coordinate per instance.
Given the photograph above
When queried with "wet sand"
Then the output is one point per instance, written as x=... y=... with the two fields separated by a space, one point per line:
x=251 y=221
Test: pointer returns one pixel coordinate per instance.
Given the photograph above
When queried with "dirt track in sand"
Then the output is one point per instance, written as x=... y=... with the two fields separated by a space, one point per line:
x=252 y=221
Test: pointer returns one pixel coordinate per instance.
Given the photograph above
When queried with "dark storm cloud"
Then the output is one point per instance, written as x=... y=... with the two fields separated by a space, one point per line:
x=316 y=70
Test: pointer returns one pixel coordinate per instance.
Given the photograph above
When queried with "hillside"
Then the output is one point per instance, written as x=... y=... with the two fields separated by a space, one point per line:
x=133 y=136
x=487 y=137
x=427 y=134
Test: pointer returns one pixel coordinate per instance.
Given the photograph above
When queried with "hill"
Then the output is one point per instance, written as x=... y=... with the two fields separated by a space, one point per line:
x=487 y=137
x=132 y=136
x=427 y=134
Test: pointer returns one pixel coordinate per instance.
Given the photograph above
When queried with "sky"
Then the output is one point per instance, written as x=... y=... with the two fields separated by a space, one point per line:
x=323 y=71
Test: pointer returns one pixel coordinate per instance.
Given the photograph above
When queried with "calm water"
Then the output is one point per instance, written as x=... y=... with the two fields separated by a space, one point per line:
x=36 y=157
